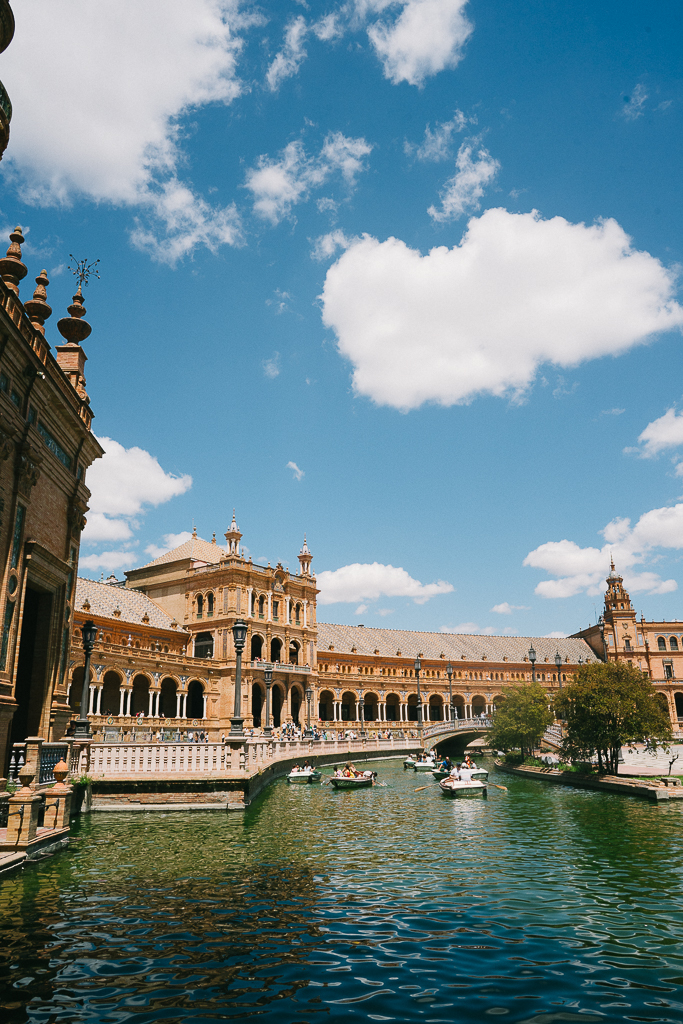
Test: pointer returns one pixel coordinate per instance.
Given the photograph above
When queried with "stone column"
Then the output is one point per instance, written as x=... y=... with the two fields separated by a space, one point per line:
x=99 y=698
x=122 y=695
x=58 y=799
x=22 y=821
x=91 y=699
x=269 y=617
x=204 y=698
x=177 y=704
x=151 y=704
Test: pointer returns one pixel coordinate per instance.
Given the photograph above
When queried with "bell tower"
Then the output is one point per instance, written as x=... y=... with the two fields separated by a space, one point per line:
x=620 y=617
x=233 y=538
x=305 y=559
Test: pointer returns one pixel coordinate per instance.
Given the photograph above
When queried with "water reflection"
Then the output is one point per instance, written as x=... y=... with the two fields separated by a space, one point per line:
x=539 y=904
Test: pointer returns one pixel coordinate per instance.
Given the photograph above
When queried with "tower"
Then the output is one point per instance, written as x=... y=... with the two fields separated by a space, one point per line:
x=305 y=559
x=233 y=537
x=620 y=616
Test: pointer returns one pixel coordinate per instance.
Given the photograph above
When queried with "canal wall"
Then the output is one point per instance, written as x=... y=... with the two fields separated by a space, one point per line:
x=654 y=790
x=216 y=793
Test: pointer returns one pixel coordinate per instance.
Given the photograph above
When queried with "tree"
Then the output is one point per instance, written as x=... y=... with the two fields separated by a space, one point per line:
x=522 y=717
x=607 y=706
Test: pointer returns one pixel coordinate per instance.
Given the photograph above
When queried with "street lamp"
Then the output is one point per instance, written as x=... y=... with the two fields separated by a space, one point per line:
x=558 y=662
x=601 y=626
x=418 y=666
x=361 y=716
x=532 y=659
x=239 y=634
x=268 y=678
x=449 y=673
x=89 y=634
x=309 y=732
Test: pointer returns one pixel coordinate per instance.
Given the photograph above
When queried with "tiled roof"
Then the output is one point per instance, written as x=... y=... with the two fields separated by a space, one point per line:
x=367 y=639
x=104 y=598
x=195 y=548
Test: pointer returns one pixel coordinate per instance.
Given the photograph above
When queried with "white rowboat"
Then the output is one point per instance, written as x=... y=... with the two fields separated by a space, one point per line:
x=305 y=775
x=453 y=787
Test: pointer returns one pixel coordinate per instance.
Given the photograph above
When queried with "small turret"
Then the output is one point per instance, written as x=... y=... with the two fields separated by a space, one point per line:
x=233 y=538
x=305 y=559
x=616 y=597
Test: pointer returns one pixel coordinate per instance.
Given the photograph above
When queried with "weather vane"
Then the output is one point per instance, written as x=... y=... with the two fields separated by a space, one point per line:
x=82 y=270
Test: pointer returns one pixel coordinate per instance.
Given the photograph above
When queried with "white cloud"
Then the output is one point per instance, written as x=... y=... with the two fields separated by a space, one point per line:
x=481 y=318
x=298 y=473
x=507 y=609
x=666 y=432
x=436 y=145
x=271 y=367
x=169 y=541
x=291 y=55
x=277 y=185
x=361 y=609
x=108 y=561
x=426 y=37
x=583 y=570
x=473 y=628
x=633 y=104
x=613 y=412
x=327 y=245
x=101 y=108
x=122 y=482
x=463 y=191
x=367 y=582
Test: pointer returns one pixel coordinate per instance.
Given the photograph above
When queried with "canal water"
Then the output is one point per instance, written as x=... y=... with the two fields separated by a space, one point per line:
x=538 y=904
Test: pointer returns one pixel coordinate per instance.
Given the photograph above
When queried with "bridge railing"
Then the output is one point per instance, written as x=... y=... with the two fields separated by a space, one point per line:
x=456 y=725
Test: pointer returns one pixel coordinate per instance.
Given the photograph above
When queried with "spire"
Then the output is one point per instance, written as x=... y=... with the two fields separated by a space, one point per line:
x=233 y=538
x=305 y=559
x=37 y=307
x=12 y=270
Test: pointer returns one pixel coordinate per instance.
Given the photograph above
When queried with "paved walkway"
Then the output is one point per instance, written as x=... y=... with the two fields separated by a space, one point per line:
x=643 y=763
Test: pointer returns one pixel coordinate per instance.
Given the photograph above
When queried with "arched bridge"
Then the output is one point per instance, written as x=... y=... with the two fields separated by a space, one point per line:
x=469 y=728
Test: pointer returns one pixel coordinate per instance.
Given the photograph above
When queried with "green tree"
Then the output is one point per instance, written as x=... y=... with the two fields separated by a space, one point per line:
x=606 y=707
x=522 y=717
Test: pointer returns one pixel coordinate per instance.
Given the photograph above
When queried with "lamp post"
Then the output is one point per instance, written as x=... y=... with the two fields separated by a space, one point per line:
x=418 y=666
x=309 y=732
x=558 y=662
x=532 y=659
x=449 y=673
x=239 y=634
x=601 y=626
x=361 y=715
x=268 y=679
x=89 y=634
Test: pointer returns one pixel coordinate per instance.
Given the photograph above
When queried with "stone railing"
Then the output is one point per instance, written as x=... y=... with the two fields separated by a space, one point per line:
x=456 y=725
x=280 y=666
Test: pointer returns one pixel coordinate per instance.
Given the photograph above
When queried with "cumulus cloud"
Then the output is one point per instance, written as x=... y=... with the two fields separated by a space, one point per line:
x=482 y=317
x=507 y=609
x=122 y=483
x=436 y=144
x=463 y=191
x=367 y=582
x=118 y=138
x=633 y=104
x=278 y=185
x=661 y=434
x=424 y=38
x=326 y=246
x=107 y=561
x=288 y=60
x=298 y=473
x=168 y=542
x=583 y=570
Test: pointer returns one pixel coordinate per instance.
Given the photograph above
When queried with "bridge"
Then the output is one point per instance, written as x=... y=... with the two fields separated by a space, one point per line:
x=469 y=728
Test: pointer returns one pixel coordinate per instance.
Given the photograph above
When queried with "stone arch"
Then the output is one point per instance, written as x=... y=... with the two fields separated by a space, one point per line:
x=478 y=705
x=458 y=705
x=678 y=699
x=348 y=706
x=195 y=699
x=210 y=603
x=326 y=706
x=296 y=699
x=140 y=695
x=277 y=700
x=662 y=698
x=261 y=606
x=294 y=651
x=412 y=707
x=436 y=708
x=256 y=704
x=76 y=688
x=276 y=649
x=199 y=603
x=370 y=707
x=297 y=614
x=110 y=703
x=673 y=643
x=393 y=707
x=256 y=647
x=168 y=702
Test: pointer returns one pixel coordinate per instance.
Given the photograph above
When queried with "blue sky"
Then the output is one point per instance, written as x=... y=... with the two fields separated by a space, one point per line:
x=402 y=276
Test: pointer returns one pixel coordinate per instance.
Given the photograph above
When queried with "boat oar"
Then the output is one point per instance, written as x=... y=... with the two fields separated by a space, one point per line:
x=500 y=787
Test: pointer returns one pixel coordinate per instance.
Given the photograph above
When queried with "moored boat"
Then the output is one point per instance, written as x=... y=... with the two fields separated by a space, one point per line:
x=454 y=787
x=306 y=775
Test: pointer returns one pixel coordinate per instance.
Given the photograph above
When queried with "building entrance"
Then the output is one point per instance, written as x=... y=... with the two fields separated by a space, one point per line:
x=32 y=664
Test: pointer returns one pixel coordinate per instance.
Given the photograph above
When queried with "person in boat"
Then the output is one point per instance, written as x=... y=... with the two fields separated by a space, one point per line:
x=465 y=773
x=296 y=768
x=307 y=767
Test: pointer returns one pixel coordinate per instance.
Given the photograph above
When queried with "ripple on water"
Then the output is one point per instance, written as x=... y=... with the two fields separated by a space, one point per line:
x=536 y=905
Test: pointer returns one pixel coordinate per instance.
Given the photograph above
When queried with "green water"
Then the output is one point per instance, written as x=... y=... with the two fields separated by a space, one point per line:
x=539 y=904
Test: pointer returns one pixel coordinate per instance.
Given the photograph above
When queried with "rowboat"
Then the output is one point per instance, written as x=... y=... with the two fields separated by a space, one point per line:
x=425 y=766
x=477 y=773
x=304 y=775
x=353 y=782
x=452 y=787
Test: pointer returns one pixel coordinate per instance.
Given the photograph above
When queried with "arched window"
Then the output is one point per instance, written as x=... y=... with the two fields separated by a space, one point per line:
x=293 y=653
x=203 y=645
x=661 y=643
x=253 y=604
x=200 y=606
x=261 y=603
x=297 y=615
x=256 y=704
x=195 y=699
x=140 y=699
x=209 y=604
x=276 y=649
x=168 y=704
x=256 y=647
x=673 y=643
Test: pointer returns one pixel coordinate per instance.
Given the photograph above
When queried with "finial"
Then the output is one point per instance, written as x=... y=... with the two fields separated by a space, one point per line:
x=194 y=531
x=37 y=307
x=12 y=270
x=213 y=539
x=82 y=270
x=74 y=328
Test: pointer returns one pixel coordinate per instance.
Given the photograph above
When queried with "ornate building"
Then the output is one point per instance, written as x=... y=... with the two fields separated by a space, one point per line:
x=656 y=647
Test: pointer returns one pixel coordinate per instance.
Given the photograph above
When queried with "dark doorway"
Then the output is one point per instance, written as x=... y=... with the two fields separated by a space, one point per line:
x=32 y=664
x=203 y=645
x=195 y=700
x=168 y=702
x=256 y=701
x=256 y=647
x=276 y=699
x=295 y=700
x=275 y=649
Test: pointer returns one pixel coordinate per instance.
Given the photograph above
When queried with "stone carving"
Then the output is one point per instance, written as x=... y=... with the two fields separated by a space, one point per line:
x=76 y=519
x=28 y=468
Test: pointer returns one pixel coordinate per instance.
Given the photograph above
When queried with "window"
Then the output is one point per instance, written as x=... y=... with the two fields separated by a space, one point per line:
x=673 y=643
x=276 y=609
x=209 y=605
x=668 y=670
x=54 y=445
x=627 y=645
x=261 y=602
x=200 y=606
x=32 y=415
x=661 y=643
x=15 y=397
